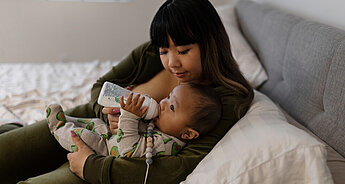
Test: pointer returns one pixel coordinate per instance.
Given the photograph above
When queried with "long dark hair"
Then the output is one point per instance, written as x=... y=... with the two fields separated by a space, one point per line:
x=197 y=21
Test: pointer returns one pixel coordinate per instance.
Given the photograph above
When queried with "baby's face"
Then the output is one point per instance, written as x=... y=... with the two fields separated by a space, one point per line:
x=175 y=111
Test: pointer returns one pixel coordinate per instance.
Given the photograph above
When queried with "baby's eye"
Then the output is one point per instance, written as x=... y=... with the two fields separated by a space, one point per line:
x=172 y=107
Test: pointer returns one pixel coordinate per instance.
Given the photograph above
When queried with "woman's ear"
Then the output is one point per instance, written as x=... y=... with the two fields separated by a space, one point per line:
x=189 y=134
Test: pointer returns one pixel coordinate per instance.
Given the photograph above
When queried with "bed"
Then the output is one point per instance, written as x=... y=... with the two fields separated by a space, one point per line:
x=27 y=88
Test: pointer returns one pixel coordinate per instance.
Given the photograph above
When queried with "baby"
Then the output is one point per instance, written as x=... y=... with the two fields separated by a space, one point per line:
x=190 y=111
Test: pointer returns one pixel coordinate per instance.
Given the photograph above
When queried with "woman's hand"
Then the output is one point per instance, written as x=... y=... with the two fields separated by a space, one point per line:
x=77 y=159
x=113 y=117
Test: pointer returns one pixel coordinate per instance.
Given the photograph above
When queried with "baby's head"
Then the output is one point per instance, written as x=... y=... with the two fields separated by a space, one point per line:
x=190 y=110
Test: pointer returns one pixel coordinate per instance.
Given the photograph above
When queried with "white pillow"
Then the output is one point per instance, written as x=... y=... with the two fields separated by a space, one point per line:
x=263 y=148
x=248 y=62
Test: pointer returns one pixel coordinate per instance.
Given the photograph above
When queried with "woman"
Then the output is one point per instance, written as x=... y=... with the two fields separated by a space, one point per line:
x=188 y=44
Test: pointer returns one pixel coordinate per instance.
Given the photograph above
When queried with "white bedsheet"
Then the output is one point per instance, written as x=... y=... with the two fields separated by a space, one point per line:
x=26 y=89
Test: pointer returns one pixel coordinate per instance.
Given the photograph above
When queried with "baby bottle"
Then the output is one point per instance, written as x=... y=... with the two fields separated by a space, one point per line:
x=110 y=96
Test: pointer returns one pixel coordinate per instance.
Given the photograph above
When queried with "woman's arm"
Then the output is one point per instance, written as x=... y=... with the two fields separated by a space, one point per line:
x=165 y=169
x=140 y=66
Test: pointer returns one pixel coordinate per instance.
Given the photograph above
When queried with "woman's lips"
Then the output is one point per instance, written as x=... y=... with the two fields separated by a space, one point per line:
x=179 y=74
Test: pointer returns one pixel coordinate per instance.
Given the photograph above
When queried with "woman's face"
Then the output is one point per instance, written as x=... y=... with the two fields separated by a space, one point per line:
x=184 y=62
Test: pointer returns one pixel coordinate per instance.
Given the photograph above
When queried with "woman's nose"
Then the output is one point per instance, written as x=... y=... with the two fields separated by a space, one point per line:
x=174 y=61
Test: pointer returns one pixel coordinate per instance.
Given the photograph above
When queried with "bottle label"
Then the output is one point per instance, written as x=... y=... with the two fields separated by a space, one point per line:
x=110 y=95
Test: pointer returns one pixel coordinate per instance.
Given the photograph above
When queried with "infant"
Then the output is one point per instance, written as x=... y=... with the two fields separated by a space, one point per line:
x=191 y=110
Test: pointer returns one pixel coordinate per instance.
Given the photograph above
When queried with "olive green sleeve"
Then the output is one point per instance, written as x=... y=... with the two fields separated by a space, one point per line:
x=126 y=73
x=165 y=169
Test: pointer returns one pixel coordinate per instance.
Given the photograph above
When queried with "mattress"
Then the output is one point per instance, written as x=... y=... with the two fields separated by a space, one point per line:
x=27 y=88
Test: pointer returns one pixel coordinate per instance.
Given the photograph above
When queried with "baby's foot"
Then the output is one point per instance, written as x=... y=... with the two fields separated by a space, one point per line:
x=55 y=116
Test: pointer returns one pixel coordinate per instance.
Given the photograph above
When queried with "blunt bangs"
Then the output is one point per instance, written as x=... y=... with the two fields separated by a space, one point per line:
x=170 y=21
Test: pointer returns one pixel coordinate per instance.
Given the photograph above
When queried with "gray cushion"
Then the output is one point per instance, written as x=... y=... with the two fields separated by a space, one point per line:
x=305 y=62
x=335 y=162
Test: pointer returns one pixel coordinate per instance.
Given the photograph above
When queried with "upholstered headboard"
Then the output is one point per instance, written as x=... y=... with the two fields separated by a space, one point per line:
x=305 y=62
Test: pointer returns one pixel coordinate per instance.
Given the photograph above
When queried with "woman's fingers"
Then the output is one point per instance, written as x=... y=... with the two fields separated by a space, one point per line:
x=78 y=158
x=113 y=123
x=113 y=130
x=81 y=146
x=107 y=110
x=113 y=118
x=76 y=140
x=110 y=110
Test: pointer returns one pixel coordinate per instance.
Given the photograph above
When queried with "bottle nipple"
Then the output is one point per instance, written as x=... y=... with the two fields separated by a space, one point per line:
x=152 y=110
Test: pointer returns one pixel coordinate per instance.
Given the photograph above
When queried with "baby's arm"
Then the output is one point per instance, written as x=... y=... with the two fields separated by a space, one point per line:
x=128 y=138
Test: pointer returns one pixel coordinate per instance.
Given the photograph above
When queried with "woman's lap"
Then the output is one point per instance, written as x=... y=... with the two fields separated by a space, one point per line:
x=33 y=152
x=29 y=151
x=7 y=127
x=62 y=175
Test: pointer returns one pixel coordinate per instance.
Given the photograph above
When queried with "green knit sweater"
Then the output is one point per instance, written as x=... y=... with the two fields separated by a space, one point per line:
x=140 y=66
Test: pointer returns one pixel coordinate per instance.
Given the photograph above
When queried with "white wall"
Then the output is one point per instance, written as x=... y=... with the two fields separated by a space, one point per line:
x=39 y=30
x=48 y=31
x=330 y=12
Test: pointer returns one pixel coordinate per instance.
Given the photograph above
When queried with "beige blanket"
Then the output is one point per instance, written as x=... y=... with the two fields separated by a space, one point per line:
x=26 y=89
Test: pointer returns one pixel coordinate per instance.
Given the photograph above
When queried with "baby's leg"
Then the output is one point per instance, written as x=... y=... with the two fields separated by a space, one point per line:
x=56 y=117
x=94 y=141
x=93 y=124
x=61 y=126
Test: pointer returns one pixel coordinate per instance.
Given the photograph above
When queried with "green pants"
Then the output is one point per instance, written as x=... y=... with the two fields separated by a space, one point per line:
x=31 y=154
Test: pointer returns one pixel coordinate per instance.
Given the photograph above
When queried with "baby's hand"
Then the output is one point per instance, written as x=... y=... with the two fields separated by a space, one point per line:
x=134 y=105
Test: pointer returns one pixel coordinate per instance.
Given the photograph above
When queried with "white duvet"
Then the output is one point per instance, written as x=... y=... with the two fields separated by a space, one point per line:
x=26 y=89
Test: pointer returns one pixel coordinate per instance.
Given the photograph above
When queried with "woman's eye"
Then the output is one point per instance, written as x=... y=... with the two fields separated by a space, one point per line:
x=162 y=52
x=183 y=52
x=172 y=107
x=168 y=96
